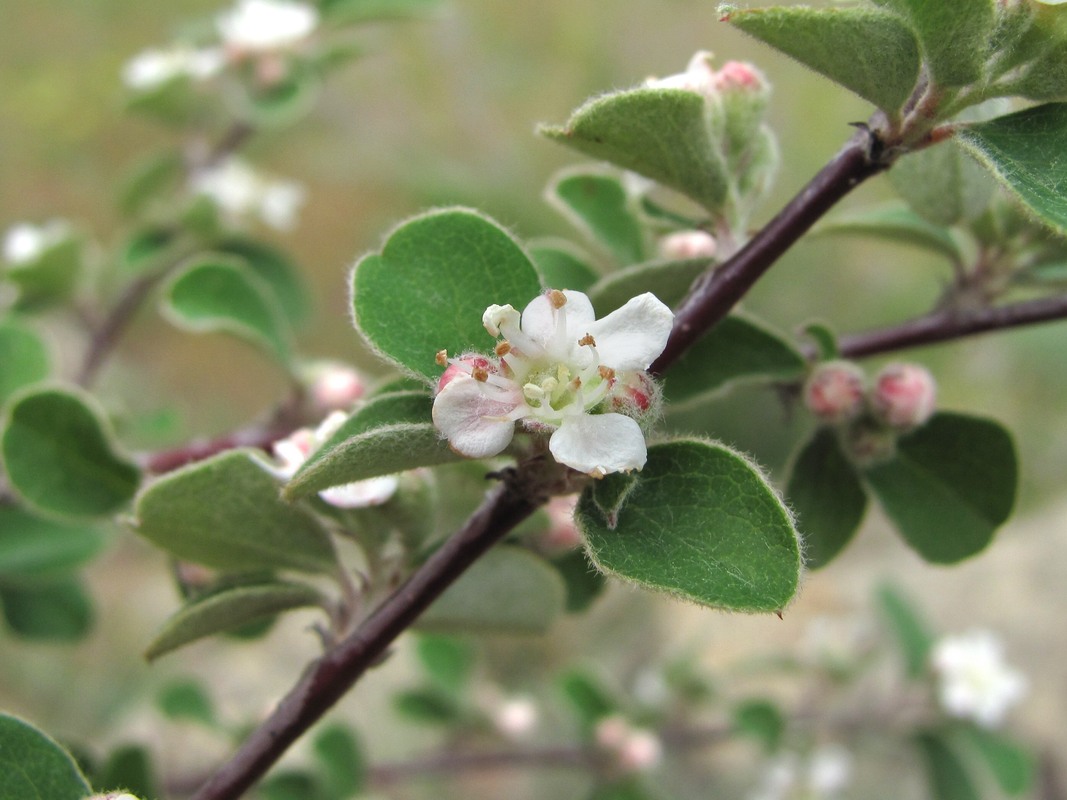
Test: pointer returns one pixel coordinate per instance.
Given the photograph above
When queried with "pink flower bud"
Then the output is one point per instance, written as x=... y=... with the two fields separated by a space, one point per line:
x=834 y=392
x=687 y=244
x=738 y=75
x=335 y=386
x=904 y=396
x=562 y=533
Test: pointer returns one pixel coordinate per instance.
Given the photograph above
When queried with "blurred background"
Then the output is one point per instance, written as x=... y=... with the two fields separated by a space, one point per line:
x=442 y=111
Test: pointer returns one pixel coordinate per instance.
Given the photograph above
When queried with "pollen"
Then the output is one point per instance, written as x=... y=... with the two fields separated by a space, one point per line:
x=503 y=348
x=607 y=373
x=441 y=358
x=557 y=298
x=587 y=340
x=480 y=374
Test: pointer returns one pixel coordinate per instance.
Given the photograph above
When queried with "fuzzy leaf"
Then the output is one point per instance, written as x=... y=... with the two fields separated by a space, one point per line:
x=225 y=512
x=220 y=293
x=186 y=699
x=738 y=347
x=597 y=204
x=228 y=610
x=896 y=223
x=391 y=433
x=668 y=280
x=55 y=611
x=275 y=268
x=950 y=485
x=24 y=358
x=869 y=52
x=34 y=549
x=662 y=134
x=447 y=660
x=34 y=767
x=1023 y=150
x=1011 y=764
x=343 y=761
x=508 y=590
x=942 y=185
x=947 y=775
x=50 y=278
x=826 y=495
x=698 y=522
x=954 y=36
x=428 y=288
x=908 y=628
x=562 y=264
x=59 y=456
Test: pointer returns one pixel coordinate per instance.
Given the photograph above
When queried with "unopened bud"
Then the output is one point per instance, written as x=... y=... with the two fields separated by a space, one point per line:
x=636 y=395
x=562 y=534
x=834 y=392
x=904 y=396
x=687 y=244
x=335 y=385
x=739 y=75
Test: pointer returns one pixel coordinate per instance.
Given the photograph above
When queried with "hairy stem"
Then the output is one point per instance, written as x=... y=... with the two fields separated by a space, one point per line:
x=713 y=298
x=946 y=325
x=327 y=679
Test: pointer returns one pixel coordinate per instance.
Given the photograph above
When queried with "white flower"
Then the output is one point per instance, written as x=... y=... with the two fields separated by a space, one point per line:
x=634 y=749
x=559 y=369
x=823 y=773
x=294 y=450
x=975 y=683
x=516 y=717
x=333 y=385
x=240 y=191
x=24 y=242
x=151 y=69
x=687 y=244
x=829 y=770
x=266 y=25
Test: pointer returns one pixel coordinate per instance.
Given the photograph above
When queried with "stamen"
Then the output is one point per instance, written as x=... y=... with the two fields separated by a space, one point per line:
x=557 y=298
x=441 y=358
x=607 y=373
x=480 y=374
x=503 y=348
x=587 y=340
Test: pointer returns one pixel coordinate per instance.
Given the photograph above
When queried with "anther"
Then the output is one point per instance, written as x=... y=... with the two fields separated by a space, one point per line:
x=557 y=298
x=503 y=348
x=441 y=358
x=607 y=373
x=587 y=340
x=480 y=374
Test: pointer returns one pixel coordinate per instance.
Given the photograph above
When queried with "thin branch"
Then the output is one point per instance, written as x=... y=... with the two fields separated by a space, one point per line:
x=713 y=298
x=946 y=325
x=327 y=679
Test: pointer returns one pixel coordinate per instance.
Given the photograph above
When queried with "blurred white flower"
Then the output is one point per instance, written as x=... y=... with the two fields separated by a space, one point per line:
x=24 y=242
x=240 y=192
x=256 y=26
x=332 y=385
x=821 y=775
x=295 y=449
x=687 y=244
x=634 y=749
x=516 y=717
x=829 y=770
x=975 y=682
x=151 y=69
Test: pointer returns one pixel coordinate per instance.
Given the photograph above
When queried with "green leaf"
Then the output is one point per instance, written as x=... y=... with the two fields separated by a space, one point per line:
x=228 y=610
x=942 y=185
x=826 y=495
x=950 y=485
x=50 y=278
x=282 y=102
x=699 y=522
x=1011 y=764
x=355 y=11
x=1023 y=151
x=34 y=549
x=912 y=635
x=24 y=358
x=587 y=696
x=276 y=269
x=391 y=433
x=220 y=293
x=343 y=762
x=597 y=204
x=185 y=699
x=34 y=767
x=948 y=778
x=428 y=706
x=584 y=583
x=954 y=36
x=128 y=768
x=292 y=784
x=1045 y=77
x=428 y=288
x=762 y=720
x=225 y=512
x=60 y=458
x=738 y=347
x=896 y=223
x=448 y=660
x=824 y=339
x=149 y=178
x=562 y=264
x=668 y=280
x=869 y=52
x=508 y=590
x=662 y=134
x=52 y=611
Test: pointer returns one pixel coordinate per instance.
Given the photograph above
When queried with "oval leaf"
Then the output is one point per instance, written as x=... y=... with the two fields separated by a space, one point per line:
x=1011 y=764
x=276 y=270
x=948 y=776
x=598 y=205
x=668 y=280
x=428 y=288
x=508 y=590
x=826 y=495
x=218 y=293
x=896 y=223
x=59 y=456
x=32 y=548
x=23 y=358
x=659 y=133
x=912 y=634
x=229 y=610
x=955 y=37
x=942 y=184
x=562 y=264
x=34 y=767
x=698 y=522
x=226 y=512
x=56 y=611
x=951 y=484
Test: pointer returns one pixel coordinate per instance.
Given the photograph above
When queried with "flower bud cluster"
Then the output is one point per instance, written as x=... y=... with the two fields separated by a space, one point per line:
x=901 y=398
x=632 y=749
x=241 y=192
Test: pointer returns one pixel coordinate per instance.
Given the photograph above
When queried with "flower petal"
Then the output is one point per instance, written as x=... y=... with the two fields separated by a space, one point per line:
x=474 y=418
x=360 y=494
x=539 y=319
x=632 y=336
x=599 y=444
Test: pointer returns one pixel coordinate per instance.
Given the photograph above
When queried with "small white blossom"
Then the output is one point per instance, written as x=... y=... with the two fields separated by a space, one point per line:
x=150 y=69
x=829 y=770
x=257 y=26
x=333 y=385
x=295 y=449
x=24 y=242
x=240 y=191
x=559 y=370
x=634 y=749
x=974 y=681
x=820 y=775
x=687 y=244
x=516 y=717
